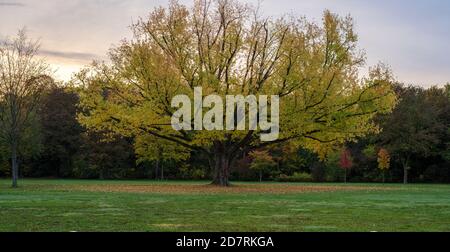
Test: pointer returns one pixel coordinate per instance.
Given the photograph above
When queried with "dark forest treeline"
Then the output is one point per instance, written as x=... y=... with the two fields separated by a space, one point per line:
x=416 y=135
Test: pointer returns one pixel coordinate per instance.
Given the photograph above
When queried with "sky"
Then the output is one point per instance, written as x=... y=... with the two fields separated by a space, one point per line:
x=412 y=36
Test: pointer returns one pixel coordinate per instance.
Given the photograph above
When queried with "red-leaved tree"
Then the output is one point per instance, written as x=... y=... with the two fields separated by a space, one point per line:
x=345 y=162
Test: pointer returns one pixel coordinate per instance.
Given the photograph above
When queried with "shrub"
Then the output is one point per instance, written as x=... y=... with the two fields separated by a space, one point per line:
x=296 y=177
x=437 y=174
x=198 y=174
x=318 y=172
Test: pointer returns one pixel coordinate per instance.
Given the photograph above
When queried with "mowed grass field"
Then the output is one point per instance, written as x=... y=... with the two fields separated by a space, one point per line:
x=89 y=205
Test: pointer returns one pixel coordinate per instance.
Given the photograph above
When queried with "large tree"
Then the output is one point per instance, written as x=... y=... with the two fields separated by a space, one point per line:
x=61 y=131
x=417 y=125
x=228 y=48
x=23 y=77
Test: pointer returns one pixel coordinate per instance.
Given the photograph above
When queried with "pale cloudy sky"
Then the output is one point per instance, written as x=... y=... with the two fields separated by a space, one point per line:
x=413 y=36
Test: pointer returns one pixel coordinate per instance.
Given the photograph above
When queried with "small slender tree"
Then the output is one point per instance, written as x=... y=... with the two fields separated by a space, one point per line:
x=384 y=161
x=153 y=149
x=23 y=78
x=345 y=162
x=261 y=161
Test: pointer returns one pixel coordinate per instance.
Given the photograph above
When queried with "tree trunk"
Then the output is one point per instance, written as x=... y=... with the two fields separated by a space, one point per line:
x=405 y=170
x=58 y=168
x=345 y=175
x=14 y=165
x=260 y=176
x=156 y=169
x=221 y=166
x=405 y=174
x=384 y=177
x=162 y=171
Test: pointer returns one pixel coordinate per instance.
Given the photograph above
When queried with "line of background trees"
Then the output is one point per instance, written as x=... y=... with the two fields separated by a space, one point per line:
x=416 y=137
x=113 y=119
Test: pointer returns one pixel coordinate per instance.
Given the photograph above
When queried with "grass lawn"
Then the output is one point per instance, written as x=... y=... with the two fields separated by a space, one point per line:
x=83 y=205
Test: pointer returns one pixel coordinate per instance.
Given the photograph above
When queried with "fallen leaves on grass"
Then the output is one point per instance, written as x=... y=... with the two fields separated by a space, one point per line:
x=210 y=189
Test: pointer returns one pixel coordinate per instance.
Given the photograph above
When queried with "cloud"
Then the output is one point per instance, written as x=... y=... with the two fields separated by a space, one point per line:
x=80 y=56
x=11 y=4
